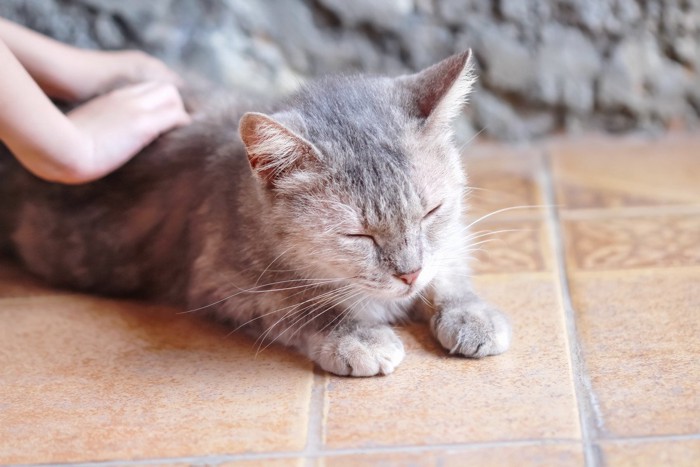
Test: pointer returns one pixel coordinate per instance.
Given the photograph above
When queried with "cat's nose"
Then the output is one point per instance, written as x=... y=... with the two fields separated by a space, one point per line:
x=410 y=277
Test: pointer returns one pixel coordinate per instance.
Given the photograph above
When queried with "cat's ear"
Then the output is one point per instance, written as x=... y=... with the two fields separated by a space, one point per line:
x=273 y=149
x=438 y=93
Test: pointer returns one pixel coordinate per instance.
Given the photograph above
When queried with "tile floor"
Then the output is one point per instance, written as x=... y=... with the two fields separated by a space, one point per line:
x=602 y=282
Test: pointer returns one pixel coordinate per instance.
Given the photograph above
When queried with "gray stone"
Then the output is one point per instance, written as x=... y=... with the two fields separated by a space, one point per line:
x=567 y=64
x=425 y=42
x=384 y=14
x=508 y=65
x=495 y=117
x=107 y=33
x=526 y=12
x=538 y=122
x=622 y=83
x=638 y=79
x=455 y=12
x=544 y=64
x=687 y=50
x=668 y=90
x=598 y=16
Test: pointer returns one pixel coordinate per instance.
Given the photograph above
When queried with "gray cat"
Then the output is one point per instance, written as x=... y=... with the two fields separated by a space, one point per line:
x=329 y=216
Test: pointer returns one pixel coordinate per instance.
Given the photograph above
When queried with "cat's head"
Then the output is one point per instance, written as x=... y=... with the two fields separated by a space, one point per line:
x=361 y=176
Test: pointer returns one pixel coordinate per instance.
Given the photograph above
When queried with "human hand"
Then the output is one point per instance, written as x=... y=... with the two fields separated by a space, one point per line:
x=104 y=71
x=117 y=125
x=100 y=135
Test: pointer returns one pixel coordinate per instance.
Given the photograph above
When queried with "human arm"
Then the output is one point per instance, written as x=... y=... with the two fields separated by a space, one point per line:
x=92 y=140
x=73 y=74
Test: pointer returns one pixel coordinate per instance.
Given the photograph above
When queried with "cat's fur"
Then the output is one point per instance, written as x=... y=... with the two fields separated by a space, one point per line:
x=306 y=250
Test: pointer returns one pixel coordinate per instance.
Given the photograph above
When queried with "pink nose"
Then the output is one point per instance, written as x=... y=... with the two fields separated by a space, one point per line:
x=409 y=278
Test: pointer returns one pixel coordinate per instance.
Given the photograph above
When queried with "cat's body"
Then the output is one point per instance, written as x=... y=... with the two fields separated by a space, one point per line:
x=355 y=206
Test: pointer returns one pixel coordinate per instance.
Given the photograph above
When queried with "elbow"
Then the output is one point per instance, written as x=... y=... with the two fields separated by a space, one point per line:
x=72 y=175
x=76 y=166
x=68 y=172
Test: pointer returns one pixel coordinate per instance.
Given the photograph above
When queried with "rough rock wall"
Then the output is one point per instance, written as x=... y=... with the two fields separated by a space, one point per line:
x=545 y=65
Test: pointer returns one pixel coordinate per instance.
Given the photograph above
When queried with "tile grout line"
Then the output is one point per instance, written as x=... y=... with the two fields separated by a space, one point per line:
x=664 y=210
x=316 y=420
x=216 y=459
x=650 y=438
x=221 y=458
x=588 y=411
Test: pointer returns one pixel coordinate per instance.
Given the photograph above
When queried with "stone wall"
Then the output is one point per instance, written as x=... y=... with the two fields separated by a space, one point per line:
x=545 y=65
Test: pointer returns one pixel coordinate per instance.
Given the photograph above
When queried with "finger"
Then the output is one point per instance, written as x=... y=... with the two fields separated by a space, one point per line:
x=164 y=111
x=163 y=96
x=165 y=120
x=167 y=74
x=136 y=90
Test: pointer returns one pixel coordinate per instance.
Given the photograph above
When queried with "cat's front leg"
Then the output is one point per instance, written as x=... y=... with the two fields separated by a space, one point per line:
x=356 y=348
x=341 y=340
x=464 y=323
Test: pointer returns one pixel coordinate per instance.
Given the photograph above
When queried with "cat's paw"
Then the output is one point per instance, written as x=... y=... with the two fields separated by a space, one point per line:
x=473 y=331
x=360 y=351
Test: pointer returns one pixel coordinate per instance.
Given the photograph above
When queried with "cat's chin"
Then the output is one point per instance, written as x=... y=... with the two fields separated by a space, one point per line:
x=392 y=295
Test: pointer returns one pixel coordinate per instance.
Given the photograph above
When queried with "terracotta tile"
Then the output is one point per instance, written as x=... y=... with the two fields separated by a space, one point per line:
x=685 y=453
x=599 y=172
x=86 y=379
x=506 y=456
x=503 y=177
x=525 y=393
x=14 y=282
x=633 y=242
x=639 y=332
x=511 y=246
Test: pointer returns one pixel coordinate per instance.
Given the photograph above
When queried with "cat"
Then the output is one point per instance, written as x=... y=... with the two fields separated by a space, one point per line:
x=326 y=217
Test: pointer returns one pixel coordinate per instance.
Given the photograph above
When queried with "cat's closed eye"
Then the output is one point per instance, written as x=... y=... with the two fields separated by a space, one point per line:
x=432 y=211
x=361 y=236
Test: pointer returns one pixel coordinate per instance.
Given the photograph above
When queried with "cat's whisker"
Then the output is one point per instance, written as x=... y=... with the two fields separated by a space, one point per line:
x=500 y=195
x=476 y=237
x=323 y=299
x=490 y=190
x=326 y=310
x=311 y=302
x=291 y=269
x=345 y=298
x=294 y=305
x=342 y=317
x=268 y=266
x=424 y=299
x=466 y=143
x=222 y=300
x=314 y=287
x=494 y=232
x=255 y=290
x=475 y=232
x=262 y=290
x=511 y=208
x=321 y=305
x=481 y=242
x=336 y=298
